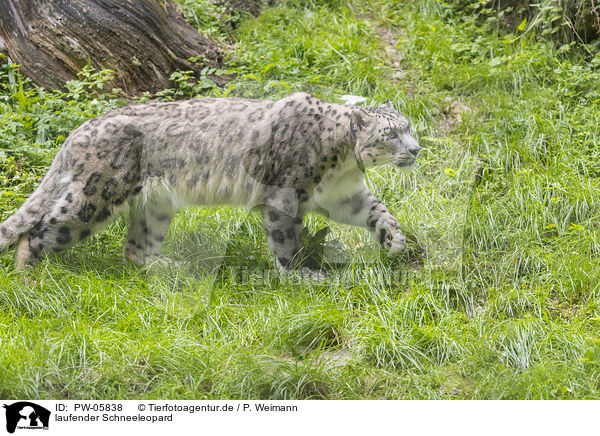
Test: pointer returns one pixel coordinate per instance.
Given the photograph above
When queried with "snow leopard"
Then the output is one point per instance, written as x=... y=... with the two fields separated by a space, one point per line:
x=148 y=160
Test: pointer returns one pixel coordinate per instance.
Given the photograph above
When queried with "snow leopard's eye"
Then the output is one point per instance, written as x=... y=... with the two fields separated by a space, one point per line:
x=392 y=134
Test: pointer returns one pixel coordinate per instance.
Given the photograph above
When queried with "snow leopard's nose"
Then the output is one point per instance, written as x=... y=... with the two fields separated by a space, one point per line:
x=413 y=146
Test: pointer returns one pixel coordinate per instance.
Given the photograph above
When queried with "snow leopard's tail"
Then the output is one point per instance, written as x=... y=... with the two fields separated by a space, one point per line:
x=26 y=217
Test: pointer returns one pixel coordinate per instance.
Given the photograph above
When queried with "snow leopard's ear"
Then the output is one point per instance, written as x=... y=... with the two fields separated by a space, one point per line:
x=358 y=119
x=388 y=104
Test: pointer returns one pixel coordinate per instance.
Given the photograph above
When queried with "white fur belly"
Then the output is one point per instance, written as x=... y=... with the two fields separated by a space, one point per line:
x=217 y=190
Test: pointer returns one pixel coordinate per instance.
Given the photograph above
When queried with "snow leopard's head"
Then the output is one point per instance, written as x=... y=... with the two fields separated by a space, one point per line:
x=383 y=136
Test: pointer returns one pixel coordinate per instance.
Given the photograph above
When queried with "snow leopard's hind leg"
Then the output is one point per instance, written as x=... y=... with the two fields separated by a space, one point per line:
x=69 y=218
x=147 y=224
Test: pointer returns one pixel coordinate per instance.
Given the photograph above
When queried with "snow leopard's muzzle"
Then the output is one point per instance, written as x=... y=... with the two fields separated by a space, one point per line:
x=410 y=150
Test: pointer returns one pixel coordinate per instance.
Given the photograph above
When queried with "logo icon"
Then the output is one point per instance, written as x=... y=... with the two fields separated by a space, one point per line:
x=26 y=415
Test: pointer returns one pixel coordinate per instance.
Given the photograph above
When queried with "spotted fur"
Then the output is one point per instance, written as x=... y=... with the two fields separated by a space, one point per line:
x=148 y=160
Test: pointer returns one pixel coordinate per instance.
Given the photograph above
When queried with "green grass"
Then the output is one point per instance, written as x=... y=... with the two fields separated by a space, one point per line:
x=506 y=303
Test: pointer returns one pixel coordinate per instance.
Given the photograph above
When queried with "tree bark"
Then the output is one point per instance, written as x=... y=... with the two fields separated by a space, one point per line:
x=142 y=41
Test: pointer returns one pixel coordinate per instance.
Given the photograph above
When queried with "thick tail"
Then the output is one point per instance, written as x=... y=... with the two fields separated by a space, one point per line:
x=11 y=230
x=24 y=219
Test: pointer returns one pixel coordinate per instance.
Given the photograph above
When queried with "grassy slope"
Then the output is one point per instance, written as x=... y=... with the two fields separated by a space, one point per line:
x=506 y=306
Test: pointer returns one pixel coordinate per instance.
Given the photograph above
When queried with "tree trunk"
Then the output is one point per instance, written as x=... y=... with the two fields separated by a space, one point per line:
x=142 y=41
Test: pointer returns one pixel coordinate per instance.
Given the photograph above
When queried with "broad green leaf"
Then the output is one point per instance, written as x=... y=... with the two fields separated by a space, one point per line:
x=252 y=76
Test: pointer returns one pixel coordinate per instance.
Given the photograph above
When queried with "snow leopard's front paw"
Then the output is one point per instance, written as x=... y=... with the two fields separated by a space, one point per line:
x=398 y=244
x=390 y=237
